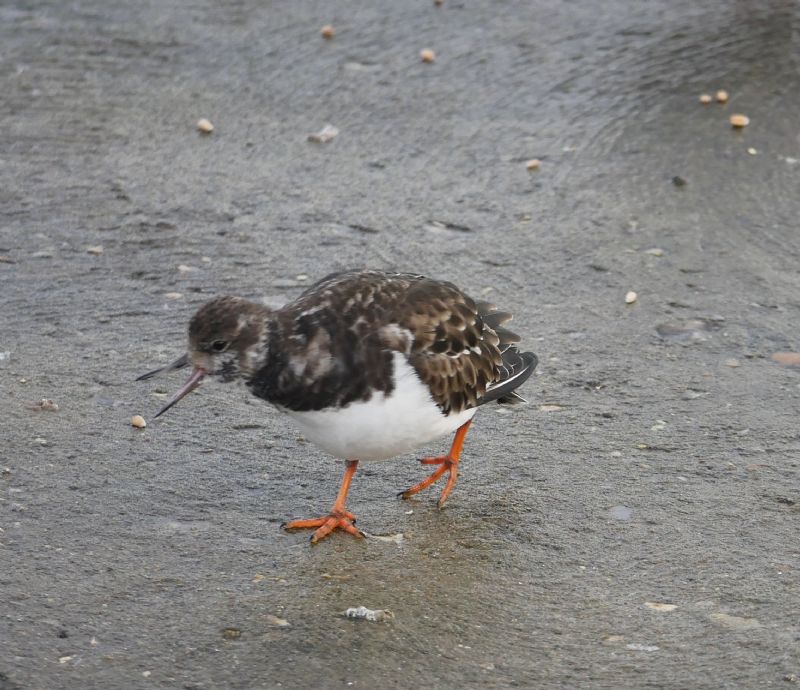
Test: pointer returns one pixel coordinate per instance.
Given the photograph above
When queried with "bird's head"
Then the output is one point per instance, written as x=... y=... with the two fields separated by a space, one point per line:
x=227 y=339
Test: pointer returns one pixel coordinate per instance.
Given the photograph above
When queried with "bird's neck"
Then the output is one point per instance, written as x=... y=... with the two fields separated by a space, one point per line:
x=255 y=355
x=269 y=360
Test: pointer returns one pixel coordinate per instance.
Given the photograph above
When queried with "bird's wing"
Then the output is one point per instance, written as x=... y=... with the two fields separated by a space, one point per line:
x=460 y=348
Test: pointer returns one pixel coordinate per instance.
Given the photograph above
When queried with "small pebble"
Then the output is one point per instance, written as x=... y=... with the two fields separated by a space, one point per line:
x=183 y=268
x=324 y=135
x=635 y=647
x=788 y=358
x=738 y=120
x=231 y=633
x=678 y=181
x=438 y=2
x=398 y=538
x=732 y=362
x=657 y=606
x=173 y=295
x=630 y=297
x=734 y=622
x=375 y=616
x=138 y=421
x=693 y=330
x=705 y=98
x=655 y=251
x=533 y=164
x=327 y=31
x=328 y=576
x=550 y=408
x=94 y=250
x=205 y=126
x=752 y=151
x=427 y=55
x=45 y=405
x=278 y=622
x=621 y=513
x=722 y=96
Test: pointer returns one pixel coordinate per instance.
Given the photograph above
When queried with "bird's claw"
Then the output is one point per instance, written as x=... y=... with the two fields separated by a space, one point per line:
x=343 y=520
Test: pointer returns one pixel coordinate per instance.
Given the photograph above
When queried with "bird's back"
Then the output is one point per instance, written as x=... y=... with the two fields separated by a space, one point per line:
x=336 y=344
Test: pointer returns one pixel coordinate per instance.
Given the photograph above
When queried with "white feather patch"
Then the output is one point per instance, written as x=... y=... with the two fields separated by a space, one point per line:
x=382 y=427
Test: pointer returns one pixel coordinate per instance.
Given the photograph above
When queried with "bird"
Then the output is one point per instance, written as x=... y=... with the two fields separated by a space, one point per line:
x=369 y=364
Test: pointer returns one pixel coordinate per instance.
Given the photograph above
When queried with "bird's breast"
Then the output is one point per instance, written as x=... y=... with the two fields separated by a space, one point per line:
x=383 y=426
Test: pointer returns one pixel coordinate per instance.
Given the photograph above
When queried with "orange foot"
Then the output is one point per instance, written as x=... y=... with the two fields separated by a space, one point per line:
x=338 y=518
x=447 y=464
x=327 y=524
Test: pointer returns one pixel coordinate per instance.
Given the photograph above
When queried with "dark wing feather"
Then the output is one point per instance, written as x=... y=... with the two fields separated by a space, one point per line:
x=463 y=359
x=517 y=366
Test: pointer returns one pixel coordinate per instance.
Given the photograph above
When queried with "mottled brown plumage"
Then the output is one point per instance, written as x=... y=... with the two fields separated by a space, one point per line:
x=359 y=318
x=334 y=344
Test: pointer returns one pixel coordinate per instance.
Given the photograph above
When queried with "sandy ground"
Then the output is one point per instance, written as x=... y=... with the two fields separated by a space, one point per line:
x=657 y=463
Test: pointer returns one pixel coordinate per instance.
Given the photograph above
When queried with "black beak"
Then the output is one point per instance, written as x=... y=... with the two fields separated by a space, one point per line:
x=188 y=387
x=179 y=363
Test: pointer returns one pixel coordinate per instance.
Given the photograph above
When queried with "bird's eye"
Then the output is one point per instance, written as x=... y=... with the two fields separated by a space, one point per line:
x=219 y=346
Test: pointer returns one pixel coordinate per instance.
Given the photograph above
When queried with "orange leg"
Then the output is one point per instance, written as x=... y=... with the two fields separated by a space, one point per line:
x=338 y=518
x=447 y=463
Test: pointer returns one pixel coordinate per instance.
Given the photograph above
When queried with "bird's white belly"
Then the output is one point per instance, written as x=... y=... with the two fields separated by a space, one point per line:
x=381 y=427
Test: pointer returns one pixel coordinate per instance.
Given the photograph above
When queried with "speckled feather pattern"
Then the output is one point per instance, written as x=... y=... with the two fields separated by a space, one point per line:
x=336 y=343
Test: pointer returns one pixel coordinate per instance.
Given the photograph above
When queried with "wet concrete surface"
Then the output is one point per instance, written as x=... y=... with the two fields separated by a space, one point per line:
x=658 y=462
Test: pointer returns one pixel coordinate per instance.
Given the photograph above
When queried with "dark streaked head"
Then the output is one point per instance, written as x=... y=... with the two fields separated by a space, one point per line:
x=227 y=339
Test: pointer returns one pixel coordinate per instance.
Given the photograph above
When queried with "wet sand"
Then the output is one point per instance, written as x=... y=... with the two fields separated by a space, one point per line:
x=658 y=461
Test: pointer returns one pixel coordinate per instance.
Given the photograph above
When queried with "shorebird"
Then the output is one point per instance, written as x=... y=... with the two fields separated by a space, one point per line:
x=368 y=364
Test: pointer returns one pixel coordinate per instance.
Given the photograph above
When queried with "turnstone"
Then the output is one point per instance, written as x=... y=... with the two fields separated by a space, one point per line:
x=369 y=364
